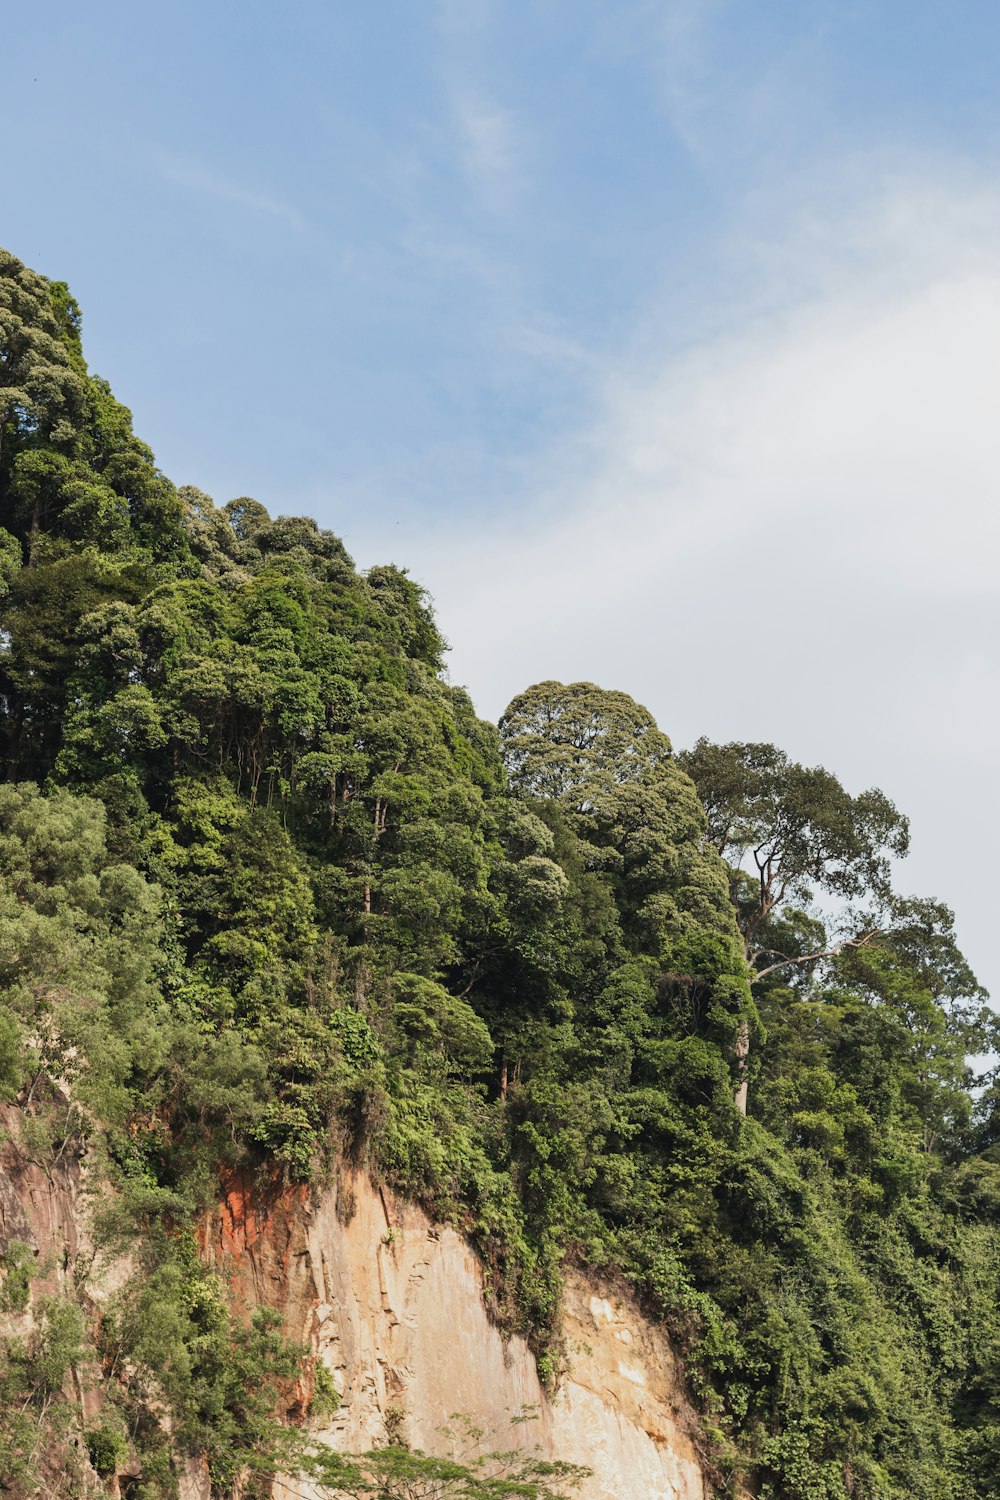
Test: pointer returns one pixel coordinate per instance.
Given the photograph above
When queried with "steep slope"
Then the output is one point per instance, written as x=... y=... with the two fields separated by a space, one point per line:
x=392 y=1306
x=278 y=911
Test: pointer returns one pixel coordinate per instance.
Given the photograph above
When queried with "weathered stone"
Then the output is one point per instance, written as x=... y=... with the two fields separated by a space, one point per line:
x=393 y=1304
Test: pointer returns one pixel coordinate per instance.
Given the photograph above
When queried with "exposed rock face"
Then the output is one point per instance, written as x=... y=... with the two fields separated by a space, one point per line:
x=43 y=1209
x=620 y=1409
x=393 y=1306
x=40 y=1208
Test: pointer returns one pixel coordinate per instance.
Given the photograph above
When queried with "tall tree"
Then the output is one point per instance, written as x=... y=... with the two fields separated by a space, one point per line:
x=601 y=759
x=571 y=742
x=43 y=385
x=787 y=832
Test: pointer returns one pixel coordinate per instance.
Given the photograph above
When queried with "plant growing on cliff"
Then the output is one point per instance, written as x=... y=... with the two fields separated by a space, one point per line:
x=397 y=1472
x=34 y=1412
x=274 y=893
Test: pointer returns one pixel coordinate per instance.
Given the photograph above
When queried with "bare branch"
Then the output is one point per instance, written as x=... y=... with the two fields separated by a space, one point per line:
x=808 y=958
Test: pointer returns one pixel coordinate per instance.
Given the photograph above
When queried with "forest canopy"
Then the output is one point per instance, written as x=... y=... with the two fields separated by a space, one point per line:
x=272 y=896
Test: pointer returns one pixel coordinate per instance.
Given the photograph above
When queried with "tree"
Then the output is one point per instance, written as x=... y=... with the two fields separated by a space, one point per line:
x=397 y=1472
x=788 y=831
x=915 y=975
x=10 y=561
x=797 y=829
x=572 y=742
x=599 y=758
x=43 y=387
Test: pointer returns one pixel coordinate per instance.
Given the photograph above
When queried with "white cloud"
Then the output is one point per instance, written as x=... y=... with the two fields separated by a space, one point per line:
x=488 y=136
x=489 y=147
x=683 y=35
x=186 y=172
x=790 y=533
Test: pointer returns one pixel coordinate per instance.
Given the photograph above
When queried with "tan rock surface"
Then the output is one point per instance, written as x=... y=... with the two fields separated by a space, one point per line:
x=393 y=1306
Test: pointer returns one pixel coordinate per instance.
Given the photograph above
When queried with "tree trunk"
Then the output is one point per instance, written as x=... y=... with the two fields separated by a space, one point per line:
x=36 y=521
x=742 y=1050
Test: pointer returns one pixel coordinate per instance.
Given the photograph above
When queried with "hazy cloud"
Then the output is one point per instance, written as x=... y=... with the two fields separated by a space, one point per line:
x=489 y=148
x=186 y=172
x=790 y=533
x=682 y=41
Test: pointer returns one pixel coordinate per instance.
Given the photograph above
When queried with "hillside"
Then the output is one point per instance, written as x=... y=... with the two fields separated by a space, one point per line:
x=277 y=908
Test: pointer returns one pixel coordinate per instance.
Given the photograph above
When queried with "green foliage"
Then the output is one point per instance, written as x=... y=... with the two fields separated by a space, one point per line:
x=16 y=1267
x=107 y=1446
x=325 y=1399
x=176 y=1343
x=572 y=743
x=271 y=893
x=11 y=1053
x=34 y=1408
x=398 y=1472
x=798 y=829
x=10 y=561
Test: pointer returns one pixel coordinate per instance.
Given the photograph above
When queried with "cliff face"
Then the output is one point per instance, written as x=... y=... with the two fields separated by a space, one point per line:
x=393 y=1306
x=45 y=1210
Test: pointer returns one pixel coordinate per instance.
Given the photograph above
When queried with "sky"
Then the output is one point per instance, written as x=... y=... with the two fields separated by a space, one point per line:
x=660 y=339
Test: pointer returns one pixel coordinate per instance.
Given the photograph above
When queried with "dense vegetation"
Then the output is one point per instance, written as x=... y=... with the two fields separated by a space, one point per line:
x=272 y=895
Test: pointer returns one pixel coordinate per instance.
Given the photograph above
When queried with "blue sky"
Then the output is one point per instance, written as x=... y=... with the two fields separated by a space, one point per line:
x=369 y=253
x=658 y=337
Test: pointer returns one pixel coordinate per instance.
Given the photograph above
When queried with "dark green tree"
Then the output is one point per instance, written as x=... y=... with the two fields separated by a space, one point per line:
x=276 y=897
x=787 y=832
x=633 y=813
x=43 y=386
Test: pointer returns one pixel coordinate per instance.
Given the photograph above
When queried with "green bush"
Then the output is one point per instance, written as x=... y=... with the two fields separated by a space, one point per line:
x=107 y=1446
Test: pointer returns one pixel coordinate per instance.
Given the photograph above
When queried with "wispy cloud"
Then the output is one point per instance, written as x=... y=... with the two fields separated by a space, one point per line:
x=724 y=105
x=196 y=176
x=683 y=34
x=488 y=135
x=790 y=532
x=489 y=147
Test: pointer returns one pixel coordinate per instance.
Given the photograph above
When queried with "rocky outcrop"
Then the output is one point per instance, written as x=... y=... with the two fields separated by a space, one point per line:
x=43 y=1228
x=393 y=1306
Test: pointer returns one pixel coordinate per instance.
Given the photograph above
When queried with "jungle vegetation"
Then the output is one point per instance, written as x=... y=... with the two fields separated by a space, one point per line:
x=273 y=896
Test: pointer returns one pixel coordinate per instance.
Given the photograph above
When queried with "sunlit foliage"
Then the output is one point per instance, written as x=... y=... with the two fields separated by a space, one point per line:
x=272 y=895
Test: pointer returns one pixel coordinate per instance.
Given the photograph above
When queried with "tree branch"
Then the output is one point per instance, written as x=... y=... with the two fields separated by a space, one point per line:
x=808 y=958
